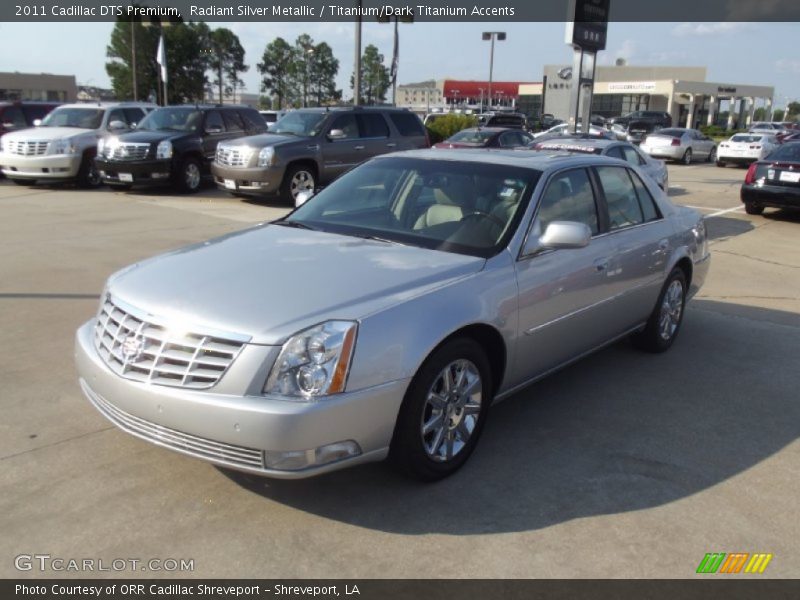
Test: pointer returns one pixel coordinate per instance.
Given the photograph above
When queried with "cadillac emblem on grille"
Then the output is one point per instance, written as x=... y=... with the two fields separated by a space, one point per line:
x=132 y=348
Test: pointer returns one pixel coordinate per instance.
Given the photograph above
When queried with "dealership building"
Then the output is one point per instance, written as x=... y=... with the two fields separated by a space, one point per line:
x=38 y=86
x=684 y=92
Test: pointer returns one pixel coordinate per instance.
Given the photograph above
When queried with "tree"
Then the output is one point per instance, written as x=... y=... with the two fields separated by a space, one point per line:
x=777 y=115
x=226 y=59
x=375 y=78
x=186 y=67
x=277 y=68
x=793 y=110
x=322 y=74
x=760 y=114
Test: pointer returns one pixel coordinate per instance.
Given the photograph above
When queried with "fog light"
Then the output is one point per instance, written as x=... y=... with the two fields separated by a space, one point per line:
x=159 y=175
x=297 y=460
x=101 y=173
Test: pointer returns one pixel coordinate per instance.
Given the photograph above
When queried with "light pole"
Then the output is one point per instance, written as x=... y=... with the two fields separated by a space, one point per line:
x=500 y=94
x=491 y=36
x=481 y=107
x=357 y=70
x=455 y=98
x=309 y=52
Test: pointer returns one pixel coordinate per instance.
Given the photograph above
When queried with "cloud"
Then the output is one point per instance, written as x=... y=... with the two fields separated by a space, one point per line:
x=788 y=65
x=708 y=29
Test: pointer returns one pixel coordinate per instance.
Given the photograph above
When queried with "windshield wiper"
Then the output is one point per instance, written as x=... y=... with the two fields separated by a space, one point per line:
x=295 y=224
x=375 y=238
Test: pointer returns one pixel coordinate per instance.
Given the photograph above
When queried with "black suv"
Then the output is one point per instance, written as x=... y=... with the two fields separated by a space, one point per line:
x=313 y=146
x=658 y=118
x=174 y=144
x=21 y=115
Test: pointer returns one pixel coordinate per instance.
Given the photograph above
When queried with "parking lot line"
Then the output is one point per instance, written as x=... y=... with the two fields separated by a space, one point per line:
x=725 y=211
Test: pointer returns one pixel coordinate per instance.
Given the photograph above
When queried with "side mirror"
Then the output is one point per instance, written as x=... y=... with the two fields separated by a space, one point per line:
x=560 y=235
x=336 y=134
x=117 y=126
x=37 y=122
x=214 y=129
x=302 y=197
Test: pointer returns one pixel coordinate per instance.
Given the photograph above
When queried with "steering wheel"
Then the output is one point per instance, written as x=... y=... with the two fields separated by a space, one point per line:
x=484 y=215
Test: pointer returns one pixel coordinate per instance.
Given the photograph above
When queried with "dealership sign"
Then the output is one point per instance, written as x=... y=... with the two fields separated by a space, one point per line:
x=632 y=86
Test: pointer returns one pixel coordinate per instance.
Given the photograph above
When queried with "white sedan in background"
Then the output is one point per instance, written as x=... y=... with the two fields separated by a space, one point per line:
x=679 y=144
x=745 y=148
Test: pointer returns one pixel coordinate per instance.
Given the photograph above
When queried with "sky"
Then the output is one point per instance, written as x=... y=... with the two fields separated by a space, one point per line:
x=738 y=53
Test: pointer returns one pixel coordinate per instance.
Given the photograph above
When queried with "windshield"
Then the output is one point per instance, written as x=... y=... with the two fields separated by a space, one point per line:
x=305 y=124
x=789 y=152
x=461 y=207
x=172 y=119
x=472 y=136
x=84 y=118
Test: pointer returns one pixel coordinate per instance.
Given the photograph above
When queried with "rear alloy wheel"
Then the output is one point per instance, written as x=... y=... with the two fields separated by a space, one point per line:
x=687 y=157
x=297 y=179
x=665 y=321
x=712 y=156
x=721 y=164
x=88 y=176
x=444 y=412
x=751 y=208
x=189 y=175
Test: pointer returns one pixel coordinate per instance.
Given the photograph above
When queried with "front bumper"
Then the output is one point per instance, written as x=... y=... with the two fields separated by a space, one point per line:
x=54 y=167
x=231 y=428
x=776 y=196
x=667 y=152
x=140 y=173
x=248 y=180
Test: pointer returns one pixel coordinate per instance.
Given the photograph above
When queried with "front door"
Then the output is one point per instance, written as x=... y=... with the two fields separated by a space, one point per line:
x=340 y=155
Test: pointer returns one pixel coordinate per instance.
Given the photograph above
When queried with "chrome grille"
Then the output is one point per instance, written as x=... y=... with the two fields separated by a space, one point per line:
x=23 y=148
x=137 y=348
x=193 y=445
x=126 y=151
x=234 y=156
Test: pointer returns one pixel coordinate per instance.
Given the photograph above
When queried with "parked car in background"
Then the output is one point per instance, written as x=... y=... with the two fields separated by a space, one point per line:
x=766 y=127
x=487 y=137
x=679 y=144
x=385 y=315
x=313 y=146
x=658 y=118
x=503 y=119
x=547 y=121
x=271 y=116
x=64 y=146
x=175 y=145
x=637 y=130
x=655 y=169
x=15 y=116
x=773 y=181
x=744 y=148
x=563 y=130
x=790 y=136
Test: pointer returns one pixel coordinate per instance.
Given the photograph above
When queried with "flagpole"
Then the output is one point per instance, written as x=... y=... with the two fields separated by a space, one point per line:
x=161 y=59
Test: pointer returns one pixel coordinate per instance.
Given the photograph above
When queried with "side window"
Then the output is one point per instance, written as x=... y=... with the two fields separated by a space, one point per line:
x=408 y=124
x=615 y=152
x=233 y=122
x=253 y=121
x=348 y=124
x=117 y=115
x=648 y=205
x=373 y=125
x=35 y=112
x=623 y=202
x=214 y=120
x=510 y=139
x=632 y=156
x=568 y=197
x=134 y=115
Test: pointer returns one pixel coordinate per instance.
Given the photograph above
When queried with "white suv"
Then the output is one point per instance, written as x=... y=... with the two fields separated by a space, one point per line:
x=63 y=146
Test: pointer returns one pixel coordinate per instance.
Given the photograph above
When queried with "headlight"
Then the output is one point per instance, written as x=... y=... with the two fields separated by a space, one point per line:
x=266 y=156
x=164 y=150
x=314 y=362
x=101 y=143
x=61 y=147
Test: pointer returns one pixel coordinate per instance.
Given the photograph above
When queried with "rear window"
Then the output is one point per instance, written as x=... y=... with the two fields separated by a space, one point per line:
x=790 y=152
x=671 y=132
x=506 y=121
x=407 y=124
x=747 y=139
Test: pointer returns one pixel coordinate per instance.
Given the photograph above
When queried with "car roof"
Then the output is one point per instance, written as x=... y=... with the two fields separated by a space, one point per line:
x=324 y=109
x=526 y=159
x=489 y=129
x=589 y=142
x=109 y=105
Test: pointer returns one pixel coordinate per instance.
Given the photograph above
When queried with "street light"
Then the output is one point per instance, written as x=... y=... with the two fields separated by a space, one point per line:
x=491 y=36
x=309 y=51
x=500 y=94
x=481 y=91
x=455 y=98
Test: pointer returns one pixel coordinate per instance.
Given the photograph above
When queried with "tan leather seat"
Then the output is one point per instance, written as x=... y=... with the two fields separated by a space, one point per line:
x=454 y=198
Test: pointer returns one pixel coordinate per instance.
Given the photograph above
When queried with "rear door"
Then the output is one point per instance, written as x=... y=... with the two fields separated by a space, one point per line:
x=375 y=134
x=340 y=155
x=410 y=129
x=565 y=296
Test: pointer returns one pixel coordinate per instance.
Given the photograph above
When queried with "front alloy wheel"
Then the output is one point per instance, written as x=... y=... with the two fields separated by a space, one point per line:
x=671 y=310
x=665 y=321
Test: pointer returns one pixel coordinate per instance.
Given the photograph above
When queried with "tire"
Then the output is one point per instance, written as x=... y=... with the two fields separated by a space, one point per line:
x=687 y=157
x=297 y=179
x=721 y=164
x=442 y=450
x=120 y=187
x=24 y=181
x=88 y=177
x=189 y=175
x=751 y=208
x=665 y=321
x=712 y=156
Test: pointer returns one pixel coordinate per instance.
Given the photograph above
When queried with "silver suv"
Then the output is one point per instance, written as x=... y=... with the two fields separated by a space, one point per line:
x=311 y=147
x=63 y=147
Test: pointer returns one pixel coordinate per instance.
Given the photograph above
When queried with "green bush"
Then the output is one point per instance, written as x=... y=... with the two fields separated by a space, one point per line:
x=720 y=132
x=443 y=127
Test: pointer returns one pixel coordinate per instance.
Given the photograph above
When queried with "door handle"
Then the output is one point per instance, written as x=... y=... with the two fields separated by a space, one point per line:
x=359 y=148
x=392 y=145
x=663 y=245
x=601 y=265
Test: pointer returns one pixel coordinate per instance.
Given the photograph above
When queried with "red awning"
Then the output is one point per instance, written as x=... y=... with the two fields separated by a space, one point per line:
x=472 y=89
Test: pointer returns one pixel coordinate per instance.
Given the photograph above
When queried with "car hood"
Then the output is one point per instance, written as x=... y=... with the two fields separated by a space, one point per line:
x=263 y=140
x=460 y=145
x=47 y=134
x=272 y=281
x=145 y=136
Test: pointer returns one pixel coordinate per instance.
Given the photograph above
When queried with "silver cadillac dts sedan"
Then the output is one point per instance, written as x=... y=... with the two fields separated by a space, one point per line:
x=385 y=315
